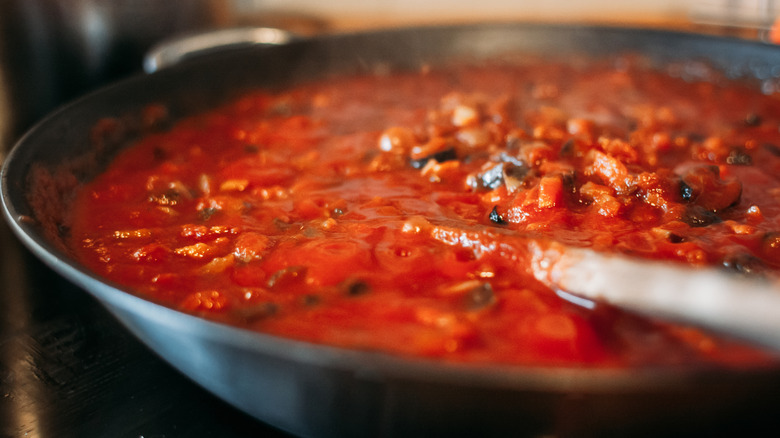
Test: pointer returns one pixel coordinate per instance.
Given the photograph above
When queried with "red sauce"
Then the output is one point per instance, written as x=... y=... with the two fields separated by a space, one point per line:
x=379 y=212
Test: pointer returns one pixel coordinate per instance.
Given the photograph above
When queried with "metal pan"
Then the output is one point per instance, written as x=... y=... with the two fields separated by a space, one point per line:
x=313 y=390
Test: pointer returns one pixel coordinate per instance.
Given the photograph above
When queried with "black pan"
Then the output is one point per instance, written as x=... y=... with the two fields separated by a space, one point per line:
x=315 y=390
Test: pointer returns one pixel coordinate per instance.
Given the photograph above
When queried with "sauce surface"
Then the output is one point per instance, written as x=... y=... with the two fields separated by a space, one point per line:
x=383 y=212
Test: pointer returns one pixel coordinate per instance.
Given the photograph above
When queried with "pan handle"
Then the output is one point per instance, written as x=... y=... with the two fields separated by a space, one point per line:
x=178 y=49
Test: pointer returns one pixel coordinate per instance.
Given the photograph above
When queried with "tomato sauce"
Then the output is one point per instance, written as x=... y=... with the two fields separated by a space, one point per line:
x=382 y=212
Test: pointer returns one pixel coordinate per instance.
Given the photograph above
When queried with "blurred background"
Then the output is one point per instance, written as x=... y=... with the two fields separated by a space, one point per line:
x=54 y=50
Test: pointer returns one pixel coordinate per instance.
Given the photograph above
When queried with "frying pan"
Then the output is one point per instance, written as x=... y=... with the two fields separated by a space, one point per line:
x=314 y=390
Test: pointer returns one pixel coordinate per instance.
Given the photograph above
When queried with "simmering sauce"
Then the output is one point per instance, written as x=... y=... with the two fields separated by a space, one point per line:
x=383 y=212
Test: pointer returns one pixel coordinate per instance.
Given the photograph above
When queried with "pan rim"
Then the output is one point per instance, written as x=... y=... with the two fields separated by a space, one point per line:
x=372 y=365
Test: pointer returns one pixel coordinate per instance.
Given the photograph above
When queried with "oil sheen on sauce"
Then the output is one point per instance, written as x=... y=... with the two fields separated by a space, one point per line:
x=380 y=212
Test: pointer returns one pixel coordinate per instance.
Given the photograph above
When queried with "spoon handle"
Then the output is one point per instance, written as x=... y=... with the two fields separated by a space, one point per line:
x=732 y=305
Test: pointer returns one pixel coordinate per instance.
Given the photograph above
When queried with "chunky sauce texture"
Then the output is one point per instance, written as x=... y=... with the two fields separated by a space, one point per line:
x=383 y=212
